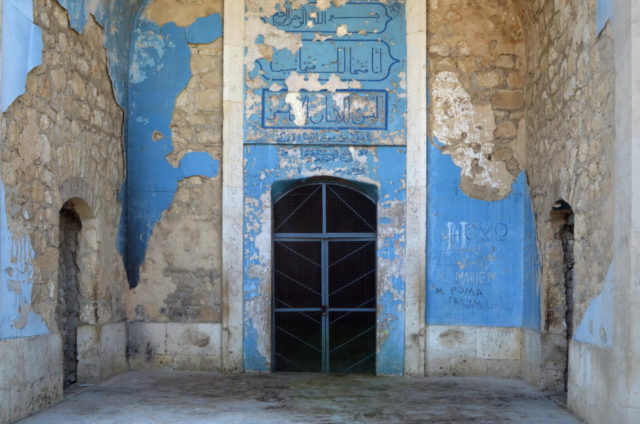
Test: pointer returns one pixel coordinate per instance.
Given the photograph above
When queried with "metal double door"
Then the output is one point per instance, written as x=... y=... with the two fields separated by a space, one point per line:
x=324 y=307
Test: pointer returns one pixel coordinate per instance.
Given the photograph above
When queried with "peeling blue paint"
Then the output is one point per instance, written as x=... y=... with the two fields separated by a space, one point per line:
x=78 y=13
x=21 y=48
x=531 y=306
x=605 y=11
x=160 y=71
x=372 y=57
x=205 y=30
x=361 y=48
x=596 y=327
x=482 y=263
x=117 y=18
x=382 y=166
x=16 y=283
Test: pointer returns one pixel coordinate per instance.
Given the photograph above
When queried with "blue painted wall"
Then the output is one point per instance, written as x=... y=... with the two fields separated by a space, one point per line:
x=340 y=132
x=482 y=256
x=16 y=283
x=382 y=166
x=149 y=66
x=160 y=71
x=21 y=48
x=596 y=327
x=373 y=56
x=605 y=11
x=117 y=18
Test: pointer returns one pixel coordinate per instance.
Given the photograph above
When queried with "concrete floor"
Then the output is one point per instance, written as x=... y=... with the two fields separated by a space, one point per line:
x=194 y=397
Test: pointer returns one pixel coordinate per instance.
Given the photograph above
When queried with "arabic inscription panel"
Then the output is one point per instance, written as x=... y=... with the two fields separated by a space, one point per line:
x=325 y=76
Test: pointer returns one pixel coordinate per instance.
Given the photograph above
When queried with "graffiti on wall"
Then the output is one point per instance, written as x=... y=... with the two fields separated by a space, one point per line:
x=477 y=272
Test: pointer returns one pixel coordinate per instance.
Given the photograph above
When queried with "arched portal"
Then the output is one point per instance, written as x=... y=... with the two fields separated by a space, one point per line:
x=324 y=278
x=69 y=289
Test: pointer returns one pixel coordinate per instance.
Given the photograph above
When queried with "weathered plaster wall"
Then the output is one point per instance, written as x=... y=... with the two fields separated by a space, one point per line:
x=482 y=266
x=569 y=156
x=174 y=191
x=160 y=71
x=117 y=19
x=476 y=74
x=325 y=90
x=56 y=135
x=61 y=140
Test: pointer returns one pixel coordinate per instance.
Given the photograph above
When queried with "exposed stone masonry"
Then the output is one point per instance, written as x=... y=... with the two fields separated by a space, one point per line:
x=62 y=139
x=570 y=143
x=180 y=279
x=570 y=130
x=477 y=68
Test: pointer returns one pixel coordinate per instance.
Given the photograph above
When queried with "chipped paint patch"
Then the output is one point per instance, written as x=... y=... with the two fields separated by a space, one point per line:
x=16 y=283
x=605 y=12
x=116 y=17
x=181 y=12
x=466 y=132
x=597 y=326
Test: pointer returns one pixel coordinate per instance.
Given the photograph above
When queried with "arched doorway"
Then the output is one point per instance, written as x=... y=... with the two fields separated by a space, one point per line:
x=562 y=221
x=69 y=290
x=324 y=278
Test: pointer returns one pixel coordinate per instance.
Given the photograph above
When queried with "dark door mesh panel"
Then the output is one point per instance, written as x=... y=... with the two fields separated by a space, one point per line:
x=300 y=211
x=324 y=280
x=298 y=341
x=349 y=211
x=352 y=274
x=297 y=278
x=352 y=342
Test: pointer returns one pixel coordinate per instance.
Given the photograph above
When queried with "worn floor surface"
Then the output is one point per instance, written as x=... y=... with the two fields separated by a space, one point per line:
x=190 y=397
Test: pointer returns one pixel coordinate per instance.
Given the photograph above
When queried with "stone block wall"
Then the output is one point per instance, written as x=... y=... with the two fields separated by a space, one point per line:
x=477 y=68
x=30 y=375
x=570 y=132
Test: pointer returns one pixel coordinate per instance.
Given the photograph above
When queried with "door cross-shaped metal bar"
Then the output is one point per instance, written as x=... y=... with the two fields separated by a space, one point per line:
x=324 y=274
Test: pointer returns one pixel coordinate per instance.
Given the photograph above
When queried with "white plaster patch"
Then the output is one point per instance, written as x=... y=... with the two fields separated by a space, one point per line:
x=466 y=130
x=323 y=4
x=296 y=82
x=311 y=82
x=342 y=30
x=297 y=108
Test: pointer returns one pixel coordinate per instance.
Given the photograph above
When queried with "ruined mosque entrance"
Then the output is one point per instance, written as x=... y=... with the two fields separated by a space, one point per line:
x=324 y=279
